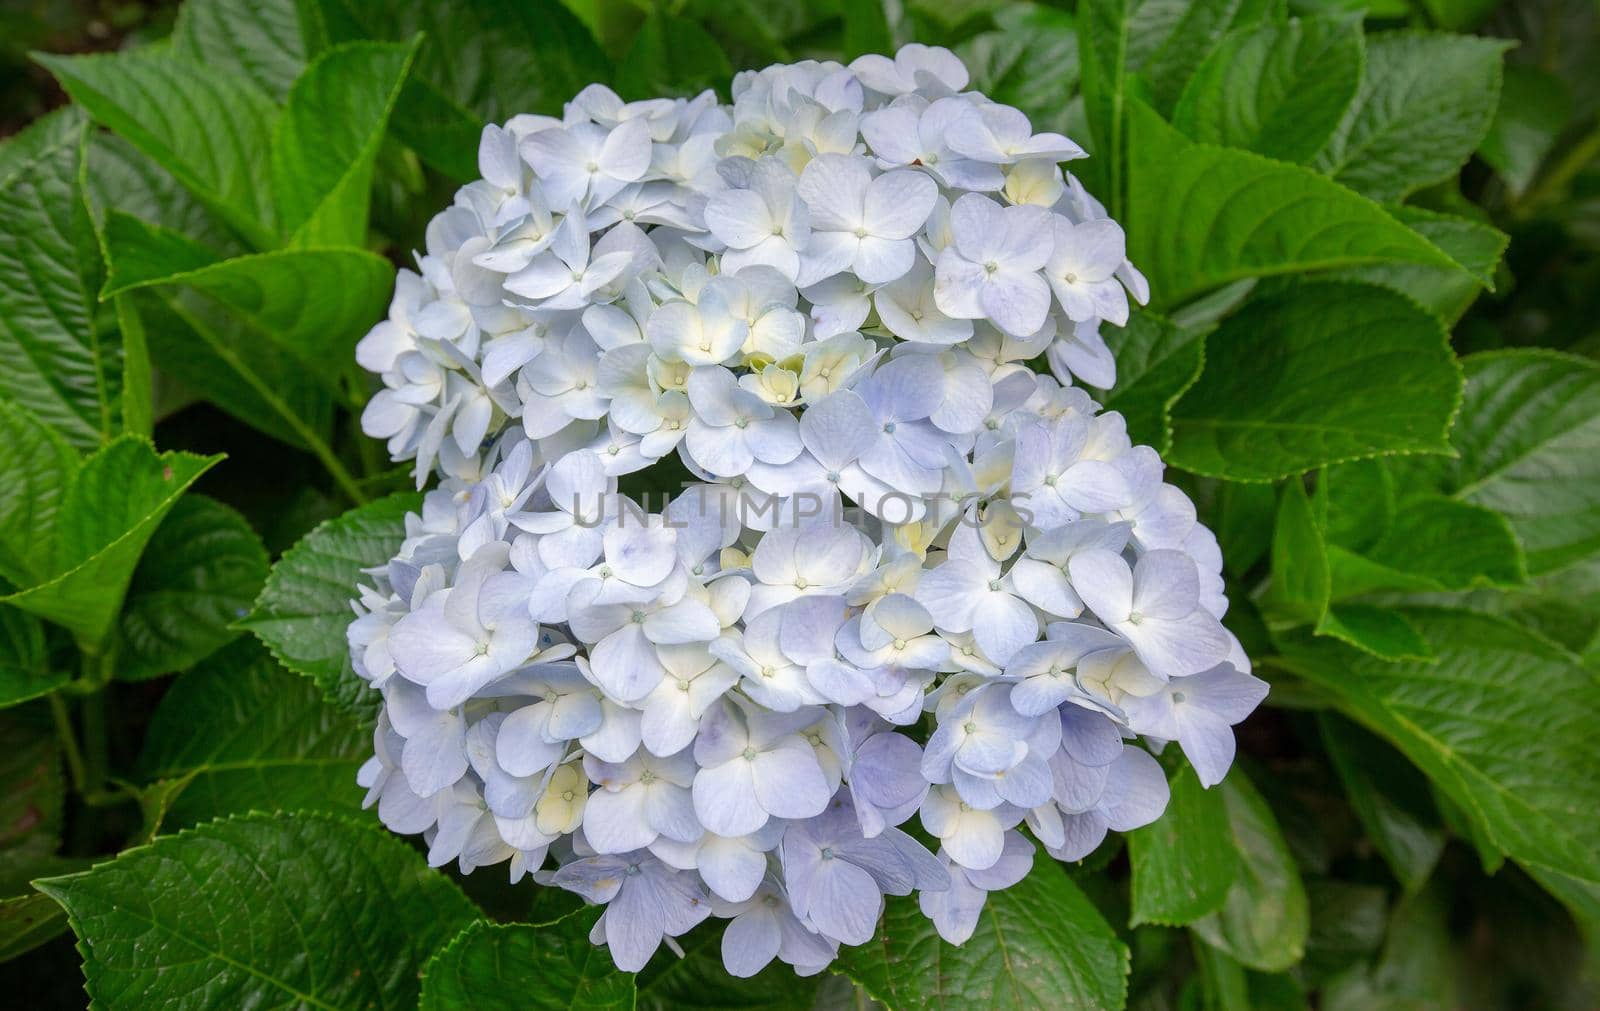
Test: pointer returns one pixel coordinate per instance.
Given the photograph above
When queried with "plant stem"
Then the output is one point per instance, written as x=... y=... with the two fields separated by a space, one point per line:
x=367 y=449
x=69 y=740
x=89 y=761
x=318 y=446
x=96 y=752
x=347 y=484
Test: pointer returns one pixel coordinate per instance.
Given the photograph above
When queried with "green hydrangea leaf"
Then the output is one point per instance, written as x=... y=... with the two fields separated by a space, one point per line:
x=1434 y=543
x=38 y=465
x=1278 y=89
x=24 y=663
x=1040 y=943
x=1390 y=797
x=1384 y=633
x=111 y=509
x=346 y=918
x=1316 y=375
x=671 y=55
x=1534 y=107
x=1105 y=41
x=1200 y=27
x=1223 y=983
x=1200 y=216
x=303 y=610
x=1475 y=247
x=1241 y=515
x=480 y=63
x=27 y=921
x=1156 y=362
x=199 y=343
x=53 y=359
x=200 y=574
x=211 y=130
x=1005 y=63
x=120 y=176
x=315 y=303
x=116 y=490
x=548 y=967
x=190 y=337
x=1264 y=920
x=1464 y=721
x=1563 y=606
x=1528 y=445
x=1184 y=862
x=866 y=28
x=138 y=382
x=480 y=54
x=244 y=734
x=1458 y=15
x=1418 y=967
x=1425 y=103
x=1300 y=587
x=1361 y=502
x=257 y=40
x=327 y=140
x=1347 y=926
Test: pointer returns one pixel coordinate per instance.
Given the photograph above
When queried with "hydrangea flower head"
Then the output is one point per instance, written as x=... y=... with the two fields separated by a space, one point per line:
x=912 y=577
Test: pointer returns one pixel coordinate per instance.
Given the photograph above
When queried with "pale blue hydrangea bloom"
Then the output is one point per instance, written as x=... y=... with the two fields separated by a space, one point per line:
x=913 y=576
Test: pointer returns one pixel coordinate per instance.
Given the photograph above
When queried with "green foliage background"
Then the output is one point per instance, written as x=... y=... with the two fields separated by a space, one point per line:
x=1372 y=232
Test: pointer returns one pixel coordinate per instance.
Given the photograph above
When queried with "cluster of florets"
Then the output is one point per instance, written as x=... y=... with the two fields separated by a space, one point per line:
x=913 y=578
x=679 y=275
